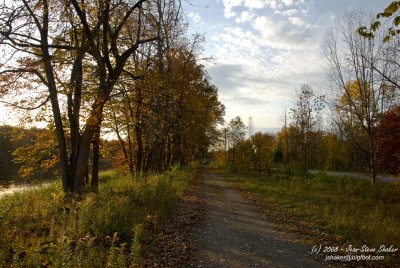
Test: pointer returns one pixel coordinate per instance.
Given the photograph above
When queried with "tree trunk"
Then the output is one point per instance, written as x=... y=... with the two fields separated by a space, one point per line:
x=62 y=144
x=92 y=125
x=372 y=169
x=139 y=152
x=94 y=183
x=74 y=105
x=82 y=161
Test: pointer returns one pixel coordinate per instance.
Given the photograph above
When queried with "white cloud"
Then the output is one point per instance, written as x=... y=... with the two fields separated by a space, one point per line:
x=278 y=34
x=236 y=42
x=229 y=5
x=288 y=12
x=245 y=16
x=255 y=4
x=287 y=2
x=296 y=21
x=195 y=17
x=273 y=4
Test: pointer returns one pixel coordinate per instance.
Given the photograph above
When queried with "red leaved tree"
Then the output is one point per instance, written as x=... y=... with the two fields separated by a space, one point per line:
x=389 y=142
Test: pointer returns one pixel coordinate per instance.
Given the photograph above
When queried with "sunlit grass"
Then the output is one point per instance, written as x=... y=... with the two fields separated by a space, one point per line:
x=44 y=227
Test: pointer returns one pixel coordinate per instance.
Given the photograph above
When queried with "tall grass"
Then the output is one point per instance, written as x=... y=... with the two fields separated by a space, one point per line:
x=44 y=227
x=348 y=207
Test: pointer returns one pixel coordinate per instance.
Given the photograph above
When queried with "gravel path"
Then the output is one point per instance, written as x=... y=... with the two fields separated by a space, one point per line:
x=236 y=234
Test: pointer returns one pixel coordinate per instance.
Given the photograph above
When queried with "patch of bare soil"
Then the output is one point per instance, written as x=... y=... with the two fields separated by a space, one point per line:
x=236 y=234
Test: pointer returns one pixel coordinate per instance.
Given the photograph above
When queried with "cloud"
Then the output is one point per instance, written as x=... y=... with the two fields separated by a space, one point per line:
x=278 y=5
x=233 y=42
x=287 y=2
x=227 y=76
x=263 y=53
x=247 y=100
x=195 y=17
x=278 y=34
x=288 y=12
x=228 y=7
x=296 y=21
x=255 y=4
x=245 y=16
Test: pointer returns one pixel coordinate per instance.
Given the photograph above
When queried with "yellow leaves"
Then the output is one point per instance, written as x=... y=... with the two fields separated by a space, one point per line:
x=37 y=157
x=396 y=21
x=355 y=91
x=58 y=197
x=92 y=121
x=25 y=172
x=391 y=9
x=390 y=12
x=386 y=38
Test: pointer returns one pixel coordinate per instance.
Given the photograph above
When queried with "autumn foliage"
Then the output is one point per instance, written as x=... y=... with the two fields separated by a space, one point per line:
x=389 y=142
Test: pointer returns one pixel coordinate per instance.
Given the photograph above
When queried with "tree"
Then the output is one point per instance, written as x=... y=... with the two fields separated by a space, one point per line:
x=263 y=150
x=236 y=132
x=388 y=35
x=337 y=152
x=12 y=138
x=389 y=144
x=305 y=115
x=287 y=139
x=178 y=122
x=57 y=48
x=362 y=94
x=39 y=157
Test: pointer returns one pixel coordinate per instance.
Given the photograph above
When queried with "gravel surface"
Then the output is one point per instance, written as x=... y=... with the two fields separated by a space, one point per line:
x=235 y=233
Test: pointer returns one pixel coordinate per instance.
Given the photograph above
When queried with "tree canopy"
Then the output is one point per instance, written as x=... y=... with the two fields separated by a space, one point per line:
x=72 y=59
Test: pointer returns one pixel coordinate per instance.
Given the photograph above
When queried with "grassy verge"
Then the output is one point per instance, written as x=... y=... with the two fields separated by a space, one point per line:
x=346 y=207
x=43 y=227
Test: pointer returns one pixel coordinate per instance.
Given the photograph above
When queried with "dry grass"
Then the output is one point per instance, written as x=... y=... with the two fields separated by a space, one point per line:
x=43 y=227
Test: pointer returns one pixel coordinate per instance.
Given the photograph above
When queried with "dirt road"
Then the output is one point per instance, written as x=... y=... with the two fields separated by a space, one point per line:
x=236 y=234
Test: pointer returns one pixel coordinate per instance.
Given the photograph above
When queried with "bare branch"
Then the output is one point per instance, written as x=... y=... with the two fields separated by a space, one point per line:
x=23 y=70
x=27 y=108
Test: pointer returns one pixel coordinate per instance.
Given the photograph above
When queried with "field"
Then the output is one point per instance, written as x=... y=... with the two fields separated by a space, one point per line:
x=44 y=227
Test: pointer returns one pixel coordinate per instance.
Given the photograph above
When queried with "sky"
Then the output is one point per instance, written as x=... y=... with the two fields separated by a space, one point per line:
x=264 y=50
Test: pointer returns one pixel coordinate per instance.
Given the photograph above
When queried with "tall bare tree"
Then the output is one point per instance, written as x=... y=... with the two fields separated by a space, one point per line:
x=361 y=93
x=305 y=115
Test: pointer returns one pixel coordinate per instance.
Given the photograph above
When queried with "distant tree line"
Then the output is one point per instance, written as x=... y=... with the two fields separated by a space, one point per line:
x=254 y=153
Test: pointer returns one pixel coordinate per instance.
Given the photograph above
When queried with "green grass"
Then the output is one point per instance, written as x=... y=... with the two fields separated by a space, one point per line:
x=347 y=207
x=44 y=227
